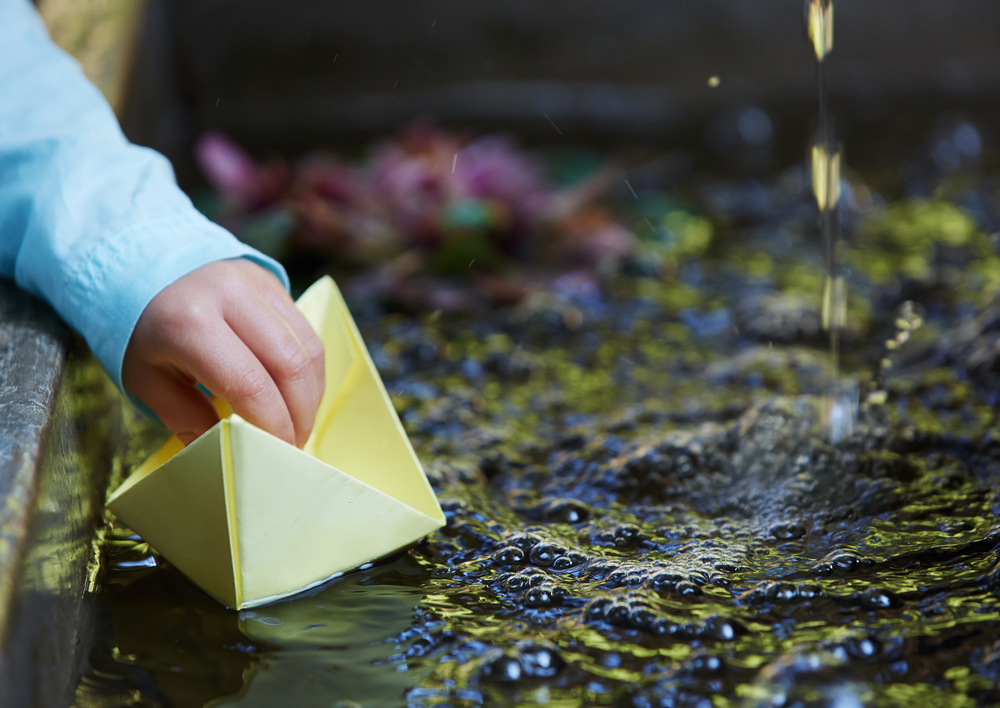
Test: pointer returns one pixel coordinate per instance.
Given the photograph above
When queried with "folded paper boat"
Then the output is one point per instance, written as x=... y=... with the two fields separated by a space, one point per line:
x=251 y=519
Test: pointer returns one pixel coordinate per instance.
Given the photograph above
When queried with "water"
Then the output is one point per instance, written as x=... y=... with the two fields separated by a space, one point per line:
x=640 y=513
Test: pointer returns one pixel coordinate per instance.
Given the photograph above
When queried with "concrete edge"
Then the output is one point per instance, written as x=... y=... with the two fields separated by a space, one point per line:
x=60 y=425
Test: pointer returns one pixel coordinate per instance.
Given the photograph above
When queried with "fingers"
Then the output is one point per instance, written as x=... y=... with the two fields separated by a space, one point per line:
x=230 y=326
x=293 y=369
x=179 y=405
x=230 y=370
x=306 y=335
x=274 y=294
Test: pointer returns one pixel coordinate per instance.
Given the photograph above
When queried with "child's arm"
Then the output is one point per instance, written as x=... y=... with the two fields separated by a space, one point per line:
x=98 y=228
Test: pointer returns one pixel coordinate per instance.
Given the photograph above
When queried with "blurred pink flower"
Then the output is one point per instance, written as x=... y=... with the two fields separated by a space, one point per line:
x=418 y=177
x=493 y=168
x=326 y=178
x=240 y=180
x=424 y=205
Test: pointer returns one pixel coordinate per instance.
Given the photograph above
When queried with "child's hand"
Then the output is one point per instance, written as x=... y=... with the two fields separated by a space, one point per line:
x=230 y=326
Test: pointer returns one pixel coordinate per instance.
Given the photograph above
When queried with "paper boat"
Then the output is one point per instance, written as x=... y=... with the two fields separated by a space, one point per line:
x=251 y=519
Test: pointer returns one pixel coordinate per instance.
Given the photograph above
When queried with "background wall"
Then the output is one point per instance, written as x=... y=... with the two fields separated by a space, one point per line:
x=296 y=74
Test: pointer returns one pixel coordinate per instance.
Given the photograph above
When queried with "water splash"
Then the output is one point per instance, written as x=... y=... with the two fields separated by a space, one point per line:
x=909 y=319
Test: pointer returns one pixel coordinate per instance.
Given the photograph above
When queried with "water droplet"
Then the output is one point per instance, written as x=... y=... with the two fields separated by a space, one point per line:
x=562 y=563
x=616 y=613
x=641 y=618
x=876 y=599
x=505 y=669
x=544 y=554
x=545 y=595
x=509 y=555
x=539 y=661
x=706 y=665
x=788 y=531
x=567 y=511
x=686 y=589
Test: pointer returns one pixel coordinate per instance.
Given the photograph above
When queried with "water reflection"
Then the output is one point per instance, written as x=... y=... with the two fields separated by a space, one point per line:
x=339 y=641
x=170 y=635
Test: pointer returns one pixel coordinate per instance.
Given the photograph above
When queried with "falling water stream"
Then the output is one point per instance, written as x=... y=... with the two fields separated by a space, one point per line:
x=825 y=158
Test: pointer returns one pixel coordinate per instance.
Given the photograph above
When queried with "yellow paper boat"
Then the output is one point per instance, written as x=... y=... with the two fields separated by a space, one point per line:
x=251 y=519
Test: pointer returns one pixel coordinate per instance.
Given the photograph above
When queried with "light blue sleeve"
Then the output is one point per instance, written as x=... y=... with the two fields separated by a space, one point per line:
x=90 y=223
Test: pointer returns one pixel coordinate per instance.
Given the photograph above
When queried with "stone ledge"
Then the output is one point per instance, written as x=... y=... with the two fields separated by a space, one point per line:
x=33 y=356
x=60 y=420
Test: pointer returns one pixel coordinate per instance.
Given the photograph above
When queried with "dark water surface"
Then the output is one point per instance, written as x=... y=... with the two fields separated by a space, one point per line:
x=644 y=508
